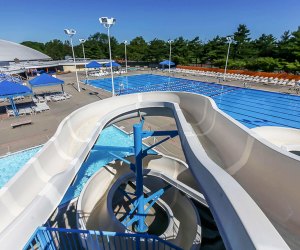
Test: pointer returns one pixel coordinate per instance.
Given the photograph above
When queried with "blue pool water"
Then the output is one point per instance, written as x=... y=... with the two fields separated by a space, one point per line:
x=11 y=164
x=111 y=136
x=253 y=108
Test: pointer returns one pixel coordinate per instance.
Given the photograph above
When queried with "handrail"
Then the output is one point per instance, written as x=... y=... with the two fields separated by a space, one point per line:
x=62 y=238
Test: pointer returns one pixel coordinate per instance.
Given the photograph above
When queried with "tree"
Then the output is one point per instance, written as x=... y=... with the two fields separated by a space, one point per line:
x=267 y=64
x=292 y=67
x=283 y=46
x=158 y=50
x=96 y=46
x=266 y=46
x=215 y=49
x=35 y=45
x=263 y=53
x=294 y=45
x=241 y=45
x=196 y=50
x=180 y=51
x=137 y=49
x=57 y=50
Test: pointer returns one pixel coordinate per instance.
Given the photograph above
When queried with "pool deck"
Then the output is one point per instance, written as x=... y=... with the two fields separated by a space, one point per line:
x=44 y=124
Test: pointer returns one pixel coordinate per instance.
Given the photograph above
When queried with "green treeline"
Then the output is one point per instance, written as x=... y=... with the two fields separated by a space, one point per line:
x=265 y=53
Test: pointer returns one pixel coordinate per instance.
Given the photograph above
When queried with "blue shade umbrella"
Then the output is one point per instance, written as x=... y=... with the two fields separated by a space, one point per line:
x=46 y=80
x=93 y=64
x=114 y=64
x=11 y=89
x=167 y=62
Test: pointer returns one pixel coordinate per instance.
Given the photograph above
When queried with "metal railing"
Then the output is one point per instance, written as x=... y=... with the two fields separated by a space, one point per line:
x=66 y=239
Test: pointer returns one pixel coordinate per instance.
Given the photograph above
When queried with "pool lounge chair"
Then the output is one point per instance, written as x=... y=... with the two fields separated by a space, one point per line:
x=56 y=98
x=25 y=111
x=9 y=111
x=36 y=109
x=43 y=106
x=67 y=96
x=35 y=100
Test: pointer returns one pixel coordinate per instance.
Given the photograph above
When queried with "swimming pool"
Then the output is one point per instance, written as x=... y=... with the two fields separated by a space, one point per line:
x=253 y=108
x=110 y=136
x=11 y=164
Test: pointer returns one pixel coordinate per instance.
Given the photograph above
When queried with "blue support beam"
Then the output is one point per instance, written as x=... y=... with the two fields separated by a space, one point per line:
x=126 y=194
x=114 y=148
x=157 y=194
x=138 y=212
x=154 y=197
x=131 y=165
x=138 y=153
x=145 y=151
x=171 y=133
x=127 y=223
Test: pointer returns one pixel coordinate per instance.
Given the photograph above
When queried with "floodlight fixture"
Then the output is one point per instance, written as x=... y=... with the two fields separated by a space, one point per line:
x=70 y=32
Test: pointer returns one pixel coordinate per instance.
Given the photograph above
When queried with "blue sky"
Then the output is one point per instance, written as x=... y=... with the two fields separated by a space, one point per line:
x=45 y=20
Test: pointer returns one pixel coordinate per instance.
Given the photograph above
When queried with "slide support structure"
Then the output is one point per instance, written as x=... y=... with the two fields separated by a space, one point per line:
x=138 y=212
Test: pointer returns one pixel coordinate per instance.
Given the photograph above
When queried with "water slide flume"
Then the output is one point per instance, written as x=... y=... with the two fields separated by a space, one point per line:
x=239 y=172
x=95 y=210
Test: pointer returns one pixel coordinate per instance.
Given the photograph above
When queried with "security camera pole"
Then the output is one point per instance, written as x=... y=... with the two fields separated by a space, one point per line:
x=229 y=40
x=125 y=43
x=170 y=42
x=70 y=33
x=107 y=23
x=82 y=41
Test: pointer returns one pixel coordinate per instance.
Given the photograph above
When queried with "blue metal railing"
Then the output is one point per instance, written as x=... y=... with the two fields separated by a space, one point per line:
x=66 y=239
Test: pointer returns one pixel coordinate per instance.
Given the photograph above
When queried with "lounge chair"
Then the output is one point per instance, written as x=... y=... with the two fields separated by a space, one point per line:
x=43 y=106
x=36 y=109
x=41 y=99
x=67 y=96
x=35 y=100
x=10 y=113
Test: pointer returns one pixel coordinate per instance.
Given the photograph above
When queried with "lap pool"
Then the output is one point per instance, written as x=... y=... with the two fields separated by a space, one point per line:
x=253 y=108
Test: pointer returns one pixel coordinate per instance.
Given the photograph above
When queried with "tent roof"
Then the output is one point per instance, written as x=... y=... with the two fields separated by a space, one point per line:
x=45 y=80
x=93 y=64
x=166 y=62
x=114 y=64
x=10 y=89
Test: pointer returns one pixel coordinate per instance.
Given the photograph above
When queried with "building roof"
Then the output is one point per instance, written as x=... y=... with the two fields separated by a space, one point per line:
x=9 y=51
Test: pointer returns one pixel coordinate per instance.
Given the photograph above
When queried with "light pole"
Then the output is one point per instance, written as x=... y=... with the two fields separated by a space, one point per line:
x=70 y=33
x=107 y=23
x=125 y=43
x=82 y=41
x=170 y=42
x=229 y=40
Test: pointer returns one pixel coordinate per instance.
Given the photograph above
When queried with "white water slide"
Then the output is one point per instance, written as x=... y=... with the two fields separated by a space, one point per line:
x=249 y=184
